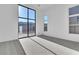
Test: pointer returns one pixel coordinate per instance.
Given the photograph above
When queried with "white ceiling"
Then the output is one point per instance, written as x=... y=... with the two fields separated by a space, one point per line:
x=42 y=7
x=45 y=7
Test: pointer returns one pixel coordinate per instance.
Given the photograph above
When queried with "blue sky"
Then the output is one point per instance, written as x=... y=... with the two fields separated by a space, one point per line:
x=46 y=19
x=23 y=13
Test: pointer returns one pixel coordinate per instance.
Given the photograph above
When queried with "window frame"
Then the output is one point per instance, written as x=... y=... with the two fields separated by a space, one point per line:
x=74 y=22
x=46 y=20
x=27 y=20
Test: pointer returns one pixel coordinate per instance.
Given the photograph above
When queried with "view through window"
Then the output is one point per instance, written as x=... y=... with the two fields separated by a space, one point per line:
x=27 y=21
x=74 y=20
x=45 y=22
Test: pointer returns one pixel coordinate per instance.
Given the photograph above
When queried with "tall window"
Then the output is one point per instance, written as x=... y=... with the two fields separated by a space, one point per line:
x=32 y=20
x=45 y=22
x=74 y=20
x=27 y=21
x=22 y=21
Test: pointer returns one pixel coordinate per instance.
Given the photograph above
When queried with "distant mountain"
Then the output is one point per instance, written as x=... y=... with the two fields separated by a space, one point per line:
x=24 y=23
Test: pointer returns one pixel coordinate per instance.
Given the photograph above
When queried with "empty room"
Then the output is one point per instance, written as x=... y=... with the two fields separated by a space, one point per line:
x=39 y=29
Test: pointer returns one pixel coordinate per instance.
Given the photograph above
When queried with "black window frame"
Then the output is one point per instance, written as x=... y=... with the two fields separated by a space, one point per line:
x=27 y=21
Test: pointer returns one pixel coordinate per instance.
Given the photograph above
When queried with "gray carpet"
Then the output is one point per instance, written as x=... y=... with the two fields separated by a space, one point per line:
x=66 y=43
x=11 y=48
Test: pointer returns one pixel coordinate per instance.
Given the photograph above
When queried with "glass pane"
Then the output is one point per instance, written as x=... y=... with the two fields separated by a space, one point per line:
x=71 y=29
x=22 y=27
x=74 y=10
x=78 y=19
x=31 y=14
x=45 y=27
x=73 y=20
x=45 y=22
x=77 y=29
x=45 y=18
x=31 y=27
x=22 y=12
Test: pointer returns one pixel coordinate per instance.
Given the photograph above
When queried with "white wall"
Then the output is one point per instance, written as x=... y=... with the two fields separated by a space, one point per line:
x=39 y=23
x=8 y=22
x=58 y=22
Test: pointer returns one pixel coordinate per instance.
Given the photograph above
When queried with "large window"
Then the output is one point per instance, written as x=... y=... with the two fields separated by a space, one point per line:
x=32 y=22
x=45 y=22
x=74 y=20
x=27 y=21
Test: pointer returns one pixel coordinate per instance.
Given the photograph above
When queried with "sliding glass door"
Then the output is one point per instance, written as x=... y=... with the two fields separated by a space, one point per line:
x=27 y=22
